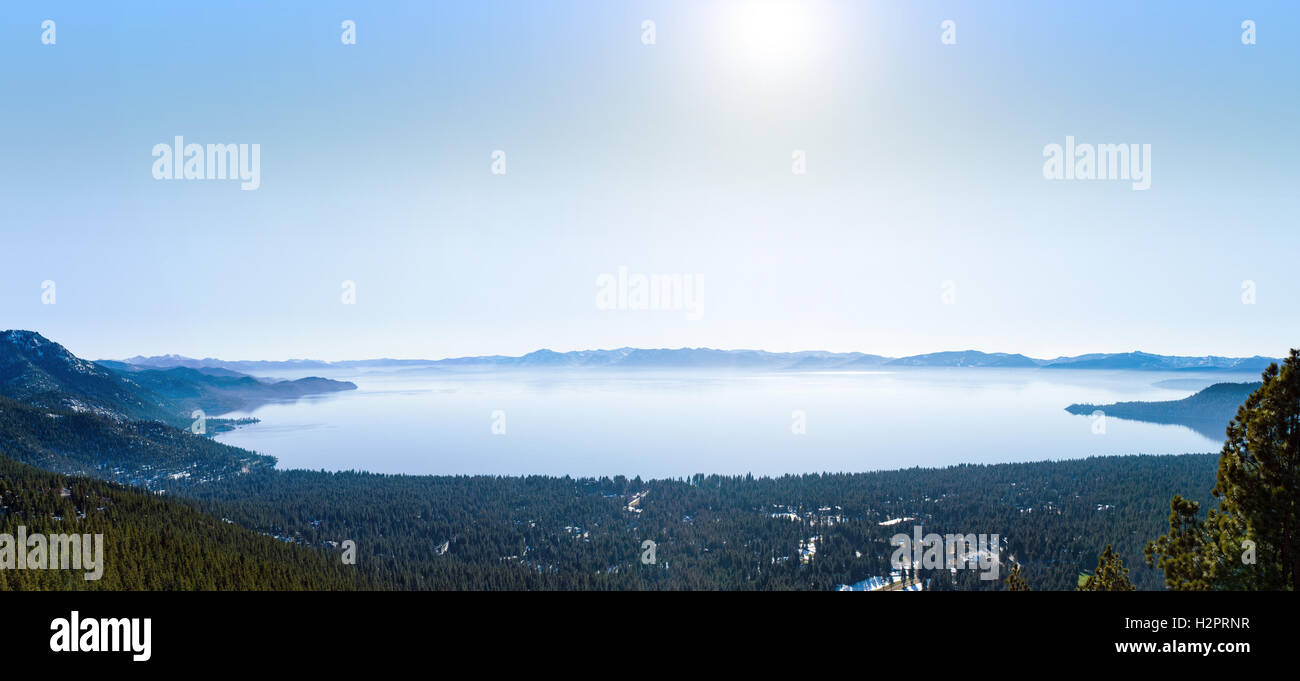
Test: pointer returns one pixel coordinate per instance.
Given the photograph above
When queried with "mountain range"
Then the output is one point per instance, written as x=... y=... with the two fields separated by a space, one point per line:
x=709 y=358
x=41 y=373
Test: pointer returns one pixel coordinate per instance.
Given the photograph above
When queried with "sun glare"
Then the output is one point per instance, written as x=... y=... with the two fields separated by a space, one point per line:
x=770 y=35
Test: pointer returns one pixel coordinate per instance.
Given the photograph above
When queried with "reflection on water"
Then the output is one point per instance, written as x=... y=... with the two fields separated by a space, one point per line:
x=662 y=424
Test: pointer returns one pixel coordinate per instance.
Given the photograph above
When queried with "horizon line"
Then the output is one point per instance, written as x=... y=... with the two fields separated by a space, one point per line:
x=682 y=348
x=635 y=348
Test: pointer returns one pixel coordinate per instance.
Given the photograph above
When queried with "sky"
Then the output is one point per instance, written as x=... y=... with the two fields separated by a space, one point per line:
x=922 y=220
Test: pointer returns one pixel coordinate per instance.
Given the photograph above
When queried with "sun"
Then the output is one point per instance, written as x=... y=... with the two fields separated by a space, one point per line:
x=770 y=35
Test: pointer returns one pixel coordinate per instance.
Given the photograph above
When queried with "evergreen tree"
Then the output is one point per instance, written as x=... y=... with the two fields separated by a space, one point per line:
x=1252 y=540
x=1111 y=574
x=1015 y=580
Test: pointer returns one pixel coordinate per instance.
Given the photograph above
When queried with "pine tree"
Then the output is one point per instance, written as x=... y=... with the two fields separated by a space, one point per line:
x=1252 y=540
x=1111 y=574
x=1015 y=580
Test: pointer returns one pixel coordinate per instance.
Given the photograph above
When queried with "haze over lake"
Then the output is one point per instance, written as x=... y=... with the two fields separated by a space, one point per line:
x=672 y=424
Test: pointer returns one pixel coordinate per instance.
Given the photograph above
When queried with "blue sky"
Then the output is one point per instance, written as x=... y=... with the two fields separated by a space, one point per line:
x=924 y=166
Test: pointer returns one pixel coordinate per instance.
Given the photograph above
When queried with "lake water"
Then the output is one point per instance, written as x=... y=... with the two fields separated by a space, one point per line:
x=662 y=424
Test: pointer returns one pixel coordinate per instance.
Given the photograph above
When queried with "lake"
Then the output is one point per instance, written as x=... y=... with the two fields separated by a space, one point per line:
x=671 y=424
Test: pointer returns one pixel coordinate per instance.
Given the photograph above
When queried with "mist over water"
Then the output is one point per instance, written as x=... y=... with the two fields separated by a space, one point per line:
x=661 y=424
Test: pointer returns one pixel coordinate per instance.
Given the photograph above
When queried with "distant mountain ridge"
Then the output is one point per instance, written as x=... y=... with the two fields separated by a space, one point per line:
x=1208 y=411
x=41 y=373
x=701 y=358
x=216 y=390
x=967 y=358
x=1144 y=360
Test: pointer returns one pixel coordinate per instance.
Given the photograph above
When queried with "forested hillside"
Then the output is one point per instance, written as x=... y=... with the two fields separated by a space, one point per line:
x=42 y=373
x=714 y=532
x=143 y=453
x=153 y=543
